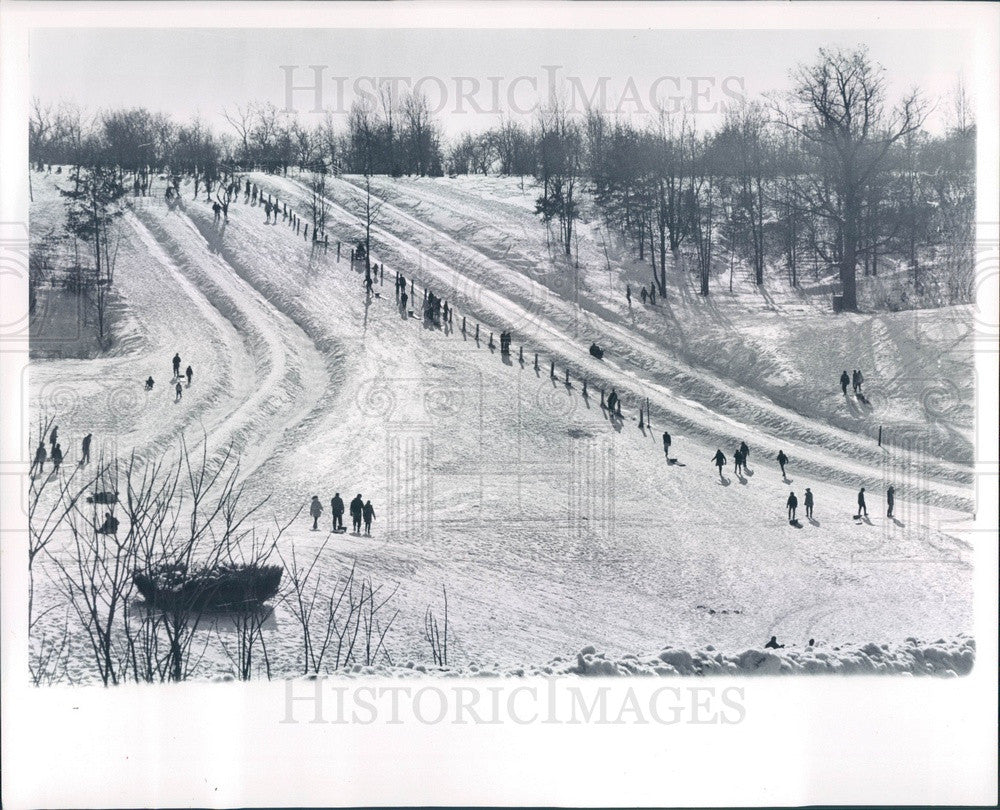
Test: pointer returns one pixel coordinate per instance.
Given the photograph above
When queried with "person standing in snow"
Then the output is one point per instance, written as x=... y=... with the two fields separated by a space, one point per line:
x=773 y=644
x=189 y=373
x=57 y=457
x=666 y=445
x=809 y=503
x=368 y=512
x=738 y=462
x=862 y=508
x=720 y=461
x=782 y=461
x=149 y=383
x=642 y=295
x=357 y=509
x=54 y=436
x=745 y=452
x=40 y=456
x=178 y=391
x=177 y=365
x=792 y=503
x=612 y=402
x=315 y=509
x=628 y=295
x=85 y=452
x=337 y=508
x=854 y=380
x=860 y=379
x=844 y=382
x=402 y=300
x=890 y=499
x=652 y=295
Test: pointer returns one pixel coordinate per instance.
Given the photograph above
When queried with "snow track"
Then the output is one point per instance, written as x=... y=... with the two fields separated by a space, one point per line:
x=715 y=413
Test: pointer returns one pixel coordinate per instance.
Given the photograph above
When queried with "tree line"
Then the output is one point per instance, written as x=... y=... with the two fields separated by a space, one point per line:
x=833 y=177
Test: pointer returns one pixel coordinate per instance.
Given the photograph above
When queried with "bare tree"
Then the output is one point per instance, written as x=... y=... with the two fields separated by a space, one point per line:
x=839 y=108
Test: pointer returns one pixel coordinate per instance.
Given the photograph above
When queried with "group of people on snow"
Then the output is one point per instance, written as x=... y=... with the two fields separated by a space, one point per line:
x=178 y=388
x=855 y=380
x=644 y=294
x=742 y=454
x=362 y=512
x=55 y=452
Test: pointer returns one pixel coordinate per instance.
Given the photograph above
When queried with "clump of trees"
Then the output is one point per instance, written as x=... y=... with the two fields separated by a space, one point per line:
x=833 y=176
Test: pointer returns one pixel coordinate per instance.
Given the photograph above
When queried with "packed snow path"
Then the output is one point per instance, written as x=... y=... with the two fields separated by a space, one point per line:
x=550 y=527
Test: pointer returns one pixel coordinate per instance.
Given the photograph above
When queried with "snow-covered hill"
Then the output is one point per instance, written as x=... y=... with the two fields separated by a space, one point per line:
x=550 y=526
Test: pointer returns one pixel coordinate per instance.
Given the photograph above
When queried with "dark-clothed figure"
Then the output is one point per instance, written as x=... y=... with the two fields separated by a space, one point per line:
x=809 y=503
x=177 y=365
x=368 y=513
x=315 y=510
x=189 y=373
x=85 y=450
x=337 y=508
x=149 y=383
x=719 y=459
x=844 y=382
x=862 y=508
x=792 y=504
x=110 y=524
x=773 y=644
x=890 y=499
x=782 y=461
x=40 y=456
x=666 y=444
x=357 y=509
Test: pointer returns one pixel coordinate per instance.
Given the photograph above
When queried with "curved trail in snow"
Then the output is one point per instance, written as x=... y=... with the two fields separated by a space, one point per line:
x=718 y=416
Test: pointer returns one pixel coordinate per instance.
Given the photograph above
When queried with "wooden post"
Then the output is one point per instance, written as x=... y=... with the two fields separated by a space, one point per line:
x=602 y=399
x=491 y=340
x=520 y=355
x=338 y=252
x=552 y=368
x=567 y=376
x=477 y=331
x=879 y=435
x=585 y=388
x=536 y=361
x=463 y=324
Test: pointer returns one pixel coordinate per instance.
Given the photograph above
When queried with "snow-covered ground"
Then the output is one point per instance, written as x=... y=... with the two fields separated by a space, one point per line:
x=550 y=526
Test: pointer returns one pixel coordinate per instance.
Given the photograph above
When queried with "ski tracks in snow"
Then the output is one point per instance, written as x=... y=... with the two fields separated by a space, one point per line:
x=716 y=414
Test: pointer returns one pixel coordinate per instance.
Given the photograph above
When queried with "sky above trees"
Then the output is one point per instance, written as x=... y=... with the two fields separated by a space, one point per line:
x=469 y=76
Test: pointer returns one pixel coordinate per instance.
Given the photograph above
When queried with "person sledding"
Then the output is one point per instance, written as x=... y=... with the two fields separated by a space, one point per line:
x=597 y=351
x=109 y=526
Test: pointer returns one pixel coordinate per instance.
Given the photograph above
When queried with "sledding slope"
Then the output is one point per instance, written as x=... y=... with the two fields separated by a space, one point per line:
x=550 y=526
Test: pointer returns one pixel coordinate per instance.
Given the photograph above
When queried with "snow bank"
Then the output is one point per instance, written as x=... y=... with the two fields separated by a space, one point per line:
x=946 y=658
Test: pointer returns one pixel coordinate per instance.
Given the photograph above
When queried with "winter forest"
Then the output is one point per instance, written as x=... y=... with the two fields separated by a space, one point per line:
x=563 y=361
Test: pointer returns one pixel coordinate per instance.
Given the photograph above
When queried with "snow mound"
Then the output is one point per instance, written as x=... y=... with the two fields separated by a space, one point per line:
x=945 y=658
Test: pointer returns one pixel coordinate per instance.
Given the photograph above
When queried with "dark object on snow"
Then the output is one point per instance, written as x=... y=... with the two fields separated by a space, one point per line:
x=773 y=644
x=110 y=525
x=174 y=587
x=103 y=497
x=149 y=383
x=597 y=351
